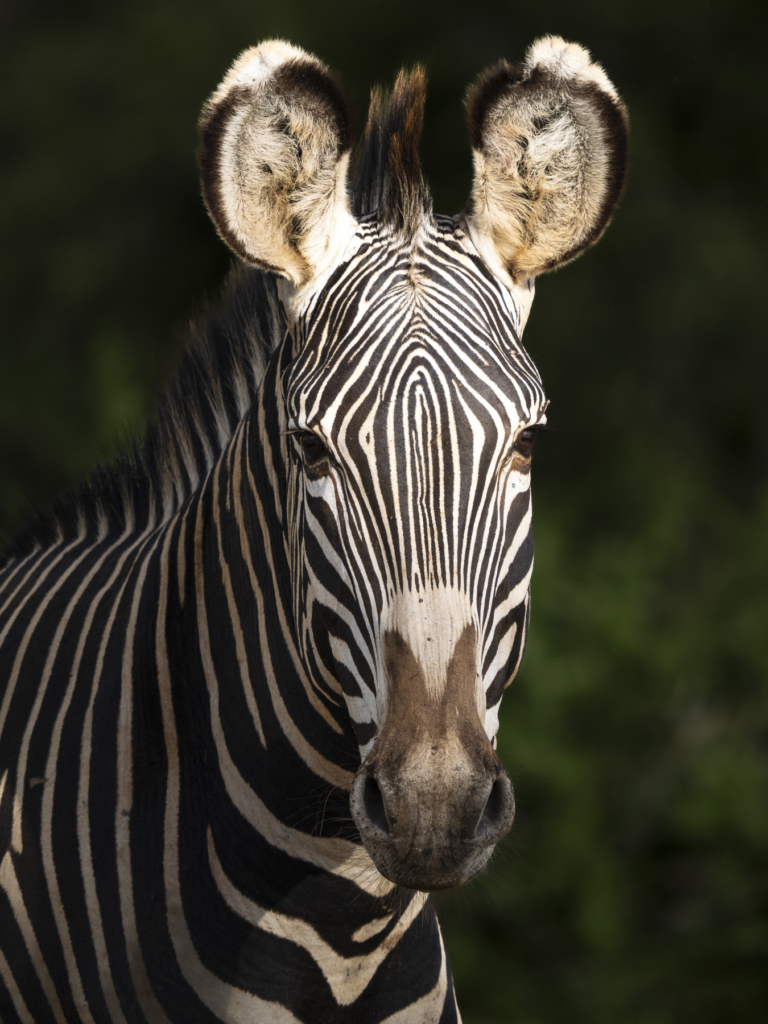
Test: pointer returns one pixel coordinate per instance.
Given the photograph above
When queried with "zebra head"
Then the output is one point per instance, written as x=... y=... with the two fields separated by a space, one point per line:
x=410 y=406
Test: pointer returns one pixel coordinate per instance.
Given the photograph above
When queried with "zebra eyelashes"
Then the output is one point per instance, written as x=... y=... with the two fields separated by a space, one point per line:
x=310 y=447
x=525 y=440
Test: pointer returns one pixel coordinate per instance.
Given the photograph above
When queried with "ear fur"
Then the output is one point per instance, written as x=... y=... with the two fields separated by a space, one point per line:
x=550 y=147
x=273 y=161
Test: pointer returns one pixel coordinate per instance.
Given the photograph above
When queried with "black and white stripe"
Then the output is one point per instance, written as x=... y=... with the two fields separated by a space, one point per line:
x=250 y=673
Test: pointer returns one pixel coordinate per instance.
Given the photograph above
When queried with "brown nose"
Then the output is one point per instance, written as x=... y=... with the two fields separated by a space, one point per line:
x=432 y=798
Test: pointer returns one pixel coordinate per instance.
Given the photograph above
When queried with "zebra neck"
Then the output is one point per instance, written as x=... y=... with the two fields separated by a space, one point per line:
x=277 y=744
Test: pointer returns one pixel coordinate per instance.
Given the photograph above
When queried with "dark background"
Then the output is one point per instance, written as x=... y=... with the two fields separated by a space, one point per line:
x=634 y=887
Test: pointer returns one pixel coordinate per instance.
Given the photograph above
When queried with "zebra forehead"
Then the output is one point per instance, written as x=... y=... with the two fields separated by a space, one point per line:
x=438 y=271
x=374 y=331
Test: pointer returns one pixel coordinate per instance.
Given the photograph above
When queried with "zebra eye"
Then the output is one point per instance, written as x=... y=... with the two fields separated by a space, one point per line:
x=312 y=448
x=525 y=439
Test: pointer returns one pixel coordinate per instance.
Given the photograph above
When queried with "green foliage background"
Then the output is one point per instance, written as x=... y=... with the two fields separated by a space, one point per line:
x=634 y=888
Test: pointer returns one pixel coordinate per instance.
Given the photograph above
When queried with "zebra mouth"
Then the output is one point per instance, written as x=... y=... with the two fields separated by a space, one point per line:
x=431 y=833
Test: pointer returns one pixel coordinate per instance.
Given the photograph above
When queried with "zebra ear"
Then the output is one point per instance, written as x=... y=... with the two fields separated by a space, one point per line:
x=273 y=162
x=550 y=142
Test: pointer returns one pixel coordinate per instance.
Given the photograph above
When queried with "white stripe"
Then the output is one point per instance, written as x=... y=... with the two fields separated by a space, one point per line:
x=10 y=883
x=15 y=993
x=347 y=977
x=426 y=1010
x=8 y=572
x=144 y=992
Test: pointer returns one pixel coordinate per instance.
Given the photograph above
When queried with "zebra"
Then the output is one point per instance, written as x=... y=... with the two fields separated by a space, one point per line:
x=251 y=669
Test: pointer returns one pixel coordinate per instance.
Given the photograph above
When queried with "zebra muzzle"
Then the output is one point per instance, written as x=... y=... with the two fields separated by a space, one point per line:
x=431 y=799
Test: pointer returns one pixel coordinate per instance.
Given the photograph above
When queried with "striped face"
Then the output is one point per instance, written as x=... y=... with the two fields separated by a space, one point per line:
x=413 y=407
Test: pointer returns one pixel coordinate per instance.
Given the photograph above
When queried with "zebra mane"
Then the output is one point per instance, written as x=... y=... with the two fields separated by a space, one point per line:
x=221 y=366
x=388 y=179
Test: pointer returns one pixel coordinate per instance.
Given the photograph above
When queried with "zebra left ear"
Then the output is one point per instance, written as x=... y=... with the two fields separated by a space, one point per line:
x=550 y=145
x=273 y=162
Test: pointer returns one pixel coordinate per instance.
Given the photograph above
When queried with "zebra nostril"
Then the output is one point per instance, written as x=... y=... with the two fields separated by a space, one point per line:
x=498 y=812
x=495 y=805
x=373 y=802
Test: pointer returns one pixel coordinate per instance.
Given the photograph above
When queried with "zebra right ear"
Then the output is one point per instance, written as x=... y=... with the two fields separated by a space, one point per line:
x=273 y=162
x=550 y=143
